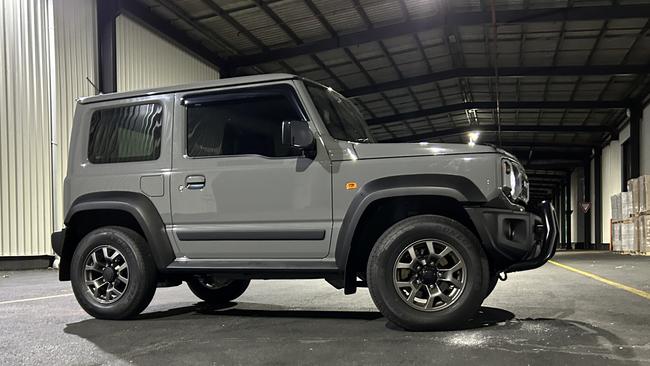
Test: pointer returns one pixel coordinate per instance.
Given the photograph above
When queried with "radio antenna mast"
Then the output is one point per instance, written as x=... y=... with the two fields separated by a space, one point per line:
x=97 y=91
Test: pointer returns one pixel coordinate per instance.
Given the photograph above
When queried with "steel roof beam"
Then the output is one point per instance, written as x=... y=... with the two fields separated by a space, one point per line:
x=452 y=19
x=503 y=72
x=504 y=128
x=542 y=155
x=537 y=145
x=576 y=104
x=554 y=164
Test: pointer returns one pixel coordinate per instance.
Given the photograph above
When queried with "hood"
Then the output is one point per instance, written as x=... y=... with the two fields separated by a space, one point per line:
x=397 y=150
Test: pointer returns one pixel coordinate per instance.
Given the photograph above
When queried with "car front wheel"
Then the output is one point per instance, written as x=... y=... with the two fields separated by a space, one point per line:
x=428 y=272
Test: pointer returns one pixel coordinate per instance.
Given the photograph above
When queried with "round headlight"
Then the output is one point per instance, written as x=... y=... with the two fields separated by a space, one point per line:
x=514 y=182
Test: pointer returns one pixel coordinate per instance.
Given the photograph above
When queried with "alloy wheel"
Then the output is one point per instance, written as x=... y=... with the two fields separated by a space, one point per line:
x=106 y=274
x=429 y=275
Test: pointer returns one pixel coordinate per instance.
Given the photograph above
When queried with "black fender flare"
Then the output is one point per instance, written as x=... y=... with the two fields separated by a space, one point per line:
x=138 y=206
x=456 y=187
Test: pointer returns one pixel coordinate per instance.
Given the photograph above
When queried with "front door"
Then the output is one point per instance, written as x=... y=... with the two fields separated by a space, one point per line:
x=236 y=191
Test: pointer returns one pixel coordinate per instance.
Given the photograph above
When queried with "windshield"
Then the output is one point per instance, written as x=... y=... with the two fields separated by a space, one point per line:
x=341 y=117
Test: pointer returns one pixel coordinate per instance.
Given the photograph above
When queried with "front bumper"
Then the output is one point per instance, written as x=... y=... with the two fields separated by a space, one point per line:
x=517 y=240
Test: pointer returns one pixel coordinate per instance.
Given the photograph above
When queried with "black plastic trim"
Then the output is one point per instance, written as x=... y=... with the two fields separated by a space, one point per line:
x=456 y=187
x=489 y=221
x=58 y=239
x=256 y=269
x=453 y=186
x=204 y=235
x=141 y=208
x=530 y=250
x=545 y=247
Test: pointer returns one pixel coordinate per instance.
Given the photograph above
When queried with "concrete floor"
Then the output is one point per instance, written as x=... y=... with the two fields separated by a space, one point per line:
x=542 y=317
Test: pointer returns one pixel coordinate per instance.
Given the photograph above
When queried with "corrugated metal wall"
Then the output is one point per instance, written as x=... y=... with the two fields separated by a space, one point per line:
x=611 y=182
x=25 y=184
x=75 y=40
x=145 y=60
x=48 y=49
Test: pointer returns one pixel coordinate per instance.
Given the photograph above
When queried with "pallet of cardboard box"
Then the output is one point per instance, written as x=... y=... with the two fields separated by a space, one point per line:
x=630 y=224
x=631 y=235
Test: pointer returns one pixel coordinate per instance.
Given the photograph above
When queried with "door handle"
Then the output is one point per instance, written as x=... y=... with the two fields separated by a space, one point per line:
x=195 y=182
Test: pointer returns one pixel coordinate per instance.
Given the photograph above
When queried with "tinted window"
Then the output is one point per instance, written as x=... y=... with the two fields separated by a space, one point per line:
x=341 y=117
x=240 y=123
x=125 y=134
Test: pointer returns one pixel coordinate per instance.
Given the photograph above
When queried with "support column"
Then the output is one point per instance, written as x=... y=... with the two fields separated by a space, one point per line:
x=567 y=212
x=560 y=210
x=598 y=199
x=107 y=12
x=587 y=198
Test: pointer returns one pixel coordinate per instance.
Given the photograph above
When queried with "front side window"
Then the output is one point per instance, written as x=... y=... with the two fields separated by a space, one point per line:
x=340 y=116
x=241 y=123
x=125 y=134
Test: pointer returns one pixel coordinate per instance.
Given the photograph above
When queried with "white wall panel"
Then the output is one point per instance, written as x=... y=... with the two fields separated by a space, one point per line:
x=75 y=59
x=25 y=184
x=577 y=216
x=611 y=183
x=145 y=60
x=592 y=199
x=573 y=181
x=645 y=141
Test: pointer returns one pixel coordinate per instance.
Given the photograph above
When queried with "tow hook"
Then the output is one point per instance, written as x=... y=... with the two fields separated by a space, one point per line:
x=503 y=276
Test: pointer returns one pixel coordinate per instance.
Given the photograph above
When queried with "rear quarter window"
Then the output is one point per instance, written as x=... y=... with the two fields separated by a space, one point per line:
x=125 y=134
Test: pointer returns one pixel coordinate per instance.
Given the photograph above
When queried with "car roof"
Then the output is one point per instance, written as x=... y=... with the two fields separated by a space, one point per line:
x=240 y=80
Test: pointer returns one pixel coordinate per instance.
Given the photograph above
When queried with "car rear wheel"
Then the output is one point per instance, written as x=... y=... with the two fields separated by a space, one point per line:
x=427 y=272
x=113 y=273
x=217 y=291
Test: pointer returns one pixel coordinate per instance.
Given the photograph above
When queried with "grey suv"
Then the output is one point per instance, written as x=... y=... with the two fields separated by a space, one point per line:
x=276 y=176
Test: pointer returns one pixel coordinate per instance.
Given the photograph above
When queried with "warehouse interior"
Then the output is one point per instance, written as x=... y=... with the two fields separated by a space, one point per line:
x=563 y=85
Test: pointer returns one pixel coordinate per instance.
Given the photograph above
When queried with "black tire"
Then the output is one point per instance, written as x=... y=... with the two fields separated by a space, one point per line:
x=219 y=294
x=141 y=273
x=492 y=283
x=385 y=254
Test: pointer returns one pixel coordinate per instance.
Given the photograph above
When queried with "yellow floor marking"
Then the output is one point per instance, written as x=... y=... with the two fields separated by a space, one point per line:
x=621 y=286
x=33 y=299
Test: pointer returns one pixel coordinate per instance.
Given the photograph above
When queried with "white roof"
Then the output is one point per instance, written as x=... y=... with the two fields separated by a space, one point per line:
x=252 y=79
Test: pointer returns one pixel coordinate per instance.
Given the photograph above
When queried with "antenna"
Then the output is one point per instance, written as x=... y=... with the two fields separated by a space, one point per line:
x=97 y=91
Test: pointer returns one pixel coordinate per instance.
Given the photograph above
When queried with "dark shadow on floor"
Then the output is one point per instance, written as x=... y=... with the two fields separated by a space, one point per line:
x=248 y=333
x=485 y=317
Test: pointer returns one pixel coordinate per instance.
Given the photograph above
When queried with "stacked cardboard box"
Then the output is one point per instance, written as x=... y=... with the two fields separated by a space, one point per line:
x=617 y=244
x=633 y=190
x=635 y=215
x=628 y=236
x=644 y=245
x=644 y=194
x=627 y=206
x=617 y=214
x=631 y=217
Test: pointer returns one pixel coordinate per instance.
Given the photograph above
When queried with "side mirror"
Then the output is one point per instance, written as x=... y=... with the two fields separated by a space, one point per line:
x=298 y=135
